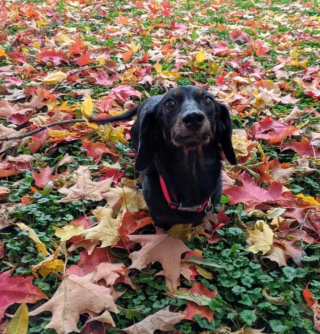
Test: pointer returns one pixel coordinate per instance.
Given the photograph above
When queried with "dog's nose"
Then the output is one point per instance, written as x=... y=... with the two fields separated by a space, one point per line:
x=193 y=120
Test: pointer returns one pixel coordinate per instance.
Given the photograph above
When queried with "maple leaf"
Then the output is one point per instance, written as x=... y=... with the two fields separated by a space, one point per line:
x=75 y=296
x=261 y=238
x=132 y=199
x=97 y=149
x=17 y=290
x=304 y=148
x=85 y=188
x=251 y=194
x=162 y=248
x=88 y=262
x=240 y=145
x=56 y=57
x=277 y=254
x=163 y=320
x=43 y=177
x=273 y=131
x=53 y=78
x=103 y=79
x=198 y=298
x=106 y=231
x=132 y=221
x=51 y=264
x=123 y=92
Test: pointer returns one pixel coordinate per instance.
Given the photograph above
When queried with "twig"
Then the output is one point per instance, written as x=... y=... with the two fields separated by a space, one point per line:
x=44 y=127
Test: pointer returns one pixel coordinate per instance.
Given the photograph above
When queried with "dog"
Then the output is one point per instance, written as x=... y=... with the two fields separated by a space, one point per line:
x=179 y=137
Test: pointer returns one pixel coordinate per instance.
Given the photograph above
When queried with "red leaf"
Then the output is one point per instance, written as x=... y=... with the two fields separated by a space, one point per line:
x=239 y=35
x=111 y=172
x=304 y=148
x=97 y=149
x=308 y=296
x=88 y=263
x=53 y=56
x=41 y=179
x=193 y=308
x=220 y=81
x=103 y=79
x=17 y=290
x=123 y=92
x=273 y=131
x=84 y=60
x=251 y=194
x=131 y=222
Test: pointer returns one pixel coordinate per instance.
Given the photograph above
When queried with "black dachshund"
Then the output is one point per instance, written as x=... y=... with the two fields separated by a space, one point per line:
x=178 y=137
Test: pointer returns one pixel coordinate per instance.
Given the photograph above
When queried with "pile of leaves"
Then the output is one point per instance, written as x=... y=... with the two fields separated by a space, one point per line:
x=78 y=251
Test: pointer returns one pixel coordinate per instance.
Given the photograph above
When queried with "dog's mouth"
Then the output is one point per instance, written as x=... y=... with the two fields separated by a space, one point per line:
x=192 y=141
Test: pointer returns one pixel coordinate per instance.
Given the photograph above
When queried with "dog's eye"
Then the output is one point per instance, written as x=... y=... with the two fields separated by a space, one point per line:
x=207 y=101
x=169 y=104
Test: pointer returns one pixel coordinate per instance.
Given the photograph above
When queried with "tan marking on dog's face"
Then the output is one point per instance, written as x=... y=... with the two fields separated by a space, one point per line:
x=177 y=93
x=198 y=91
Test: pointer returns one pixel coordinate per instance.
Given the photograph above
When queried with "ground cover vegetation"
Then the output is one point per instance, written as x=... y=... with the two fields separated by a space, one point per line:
x=78 y=251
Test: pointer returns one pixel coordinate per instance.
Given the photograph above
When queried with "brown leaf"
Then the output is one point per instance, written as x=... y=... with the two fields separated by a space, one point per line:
x=163 y=248
x=163 y=320
x=75 y=296
x=278 y=255
x=85 y=187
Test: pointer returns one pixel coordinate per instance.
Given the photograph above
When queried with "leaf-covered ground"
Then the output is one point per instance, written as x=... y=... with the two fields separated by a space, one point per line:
x=78 y=250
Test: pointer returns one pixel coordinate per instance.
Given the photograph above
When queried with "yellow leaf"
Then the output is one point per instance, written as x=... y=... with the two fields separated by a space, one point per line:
x=128 y=76
x=41 y=248
x=258 y=101
x=158 y=67
x=101 y=61
x=64 y=39
x=309 y=199
x=294 y=53
x=135 y=47
x=132 y=199
x=67 y=232
x=2 y=52
x=203 y=272
x=20 y=321
x=106 y=231
x=174 y=75
x=112 y=133
x=40 y=23
x=261 y=238
x=87 y=108
x=200 y=57
x=61 y=134
x=53 y=78
x=240 y=145
x=36 y=45
x=181 y=231
x=49 y=265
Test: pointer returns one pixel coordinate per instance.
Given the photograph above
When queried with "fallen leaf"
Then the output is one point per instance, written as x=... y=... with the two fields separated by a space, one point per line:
x=88 y=262
x=20 y=321
x=261 y=238
x=17 y=289
x=85 y=188
x=41 y=247
x=107 y=229
x=163 y=320
x=198 y=298
x=277 y=254
x=75 y=296
x=51 y=264
x=162 y=248
x=53 y=78
x=43 y=177
x=67 y=232
x=251 y=194
x=87 y=108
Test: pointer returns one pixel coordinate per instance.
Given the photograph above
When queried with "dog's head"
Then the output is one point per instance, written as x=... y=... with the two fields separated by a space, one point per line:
x=187 y=117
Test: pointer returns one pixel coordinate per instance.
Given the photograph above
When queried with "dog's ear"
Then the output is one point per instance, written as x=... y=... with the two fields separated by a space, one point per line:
x=147 y=140
x=224 y=129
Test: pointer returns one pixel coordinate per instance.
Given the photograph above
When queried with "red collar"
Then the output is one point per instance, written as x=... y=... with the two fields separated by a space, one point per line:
x=174 y=204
